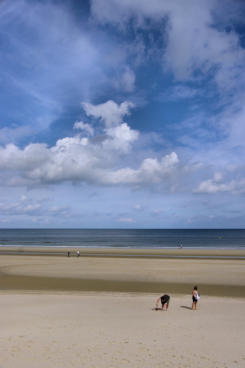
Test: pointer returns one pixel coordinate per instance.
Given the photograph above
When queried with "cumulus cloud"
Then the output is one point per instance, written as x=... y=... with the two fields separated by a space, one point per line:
x=84 y=159
x=211 y=186
x=151 y=171
x=120 y=138
x=109 y=112
x=73 y=159
x=218 y=185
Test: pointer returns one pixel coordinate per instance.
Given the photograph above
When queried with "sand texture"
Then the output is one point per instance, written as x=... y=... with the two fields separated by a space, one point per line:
x=119 y=330
x=98 y=311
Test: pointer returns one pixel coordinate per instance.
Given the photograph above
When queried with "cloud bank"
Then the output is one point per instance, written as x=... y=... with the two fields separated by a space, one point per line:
x=86 y=159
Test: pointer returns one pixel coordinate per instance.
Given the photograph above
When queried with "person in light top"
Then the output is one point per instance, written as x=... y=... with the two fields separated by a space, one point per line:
x=195 y=298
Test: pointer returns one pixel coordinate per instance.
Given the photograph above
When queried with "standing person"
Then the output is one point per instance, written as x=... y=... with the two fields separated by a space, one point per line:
x=78 y=253
x=165 y=299
x=195 y=298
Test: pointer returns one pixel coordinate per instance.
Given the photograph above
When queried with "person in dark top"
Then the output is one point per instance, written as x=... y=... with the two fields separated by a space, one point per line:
x=164 y=299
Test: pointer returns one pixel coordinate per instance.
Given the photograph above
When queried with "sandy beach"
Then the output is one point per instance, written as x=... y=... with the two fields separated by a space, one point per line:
x=95 y=311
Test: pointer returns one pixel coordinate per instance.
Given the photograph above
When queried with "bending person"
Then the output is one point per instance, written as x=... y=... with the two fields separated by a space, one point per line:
x=165 y=299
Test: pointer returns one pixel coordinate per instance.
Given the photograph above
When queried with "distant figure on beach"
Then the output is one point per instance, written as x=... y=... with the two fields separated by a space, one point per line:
x=165 y=299
x=78 y=253
x=195 y=298
x=68 y=254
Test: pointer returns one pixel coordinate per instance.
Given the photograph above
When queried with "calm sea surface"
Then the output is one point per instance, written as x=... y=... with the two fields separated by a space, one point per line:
x=148 y=238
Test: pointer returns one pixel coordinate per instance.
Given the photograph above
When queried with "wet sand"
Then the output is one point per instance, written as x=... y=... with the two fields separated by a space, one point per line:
x=125 y=252
x=217 y=277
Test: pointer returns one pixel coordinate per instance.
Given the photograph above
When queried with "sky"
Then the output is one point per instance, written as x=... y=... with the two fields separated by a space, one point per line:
x=122 y=114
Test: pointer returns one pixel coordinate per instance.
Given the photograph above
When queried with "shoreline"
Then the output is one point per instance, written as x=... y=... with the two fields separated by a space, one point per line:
x=223 y=253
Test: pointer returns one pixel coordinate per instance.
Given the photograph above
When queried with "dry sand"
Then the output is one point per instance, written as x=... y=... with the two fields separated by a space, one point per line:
x=98 y=312
x=119 y=330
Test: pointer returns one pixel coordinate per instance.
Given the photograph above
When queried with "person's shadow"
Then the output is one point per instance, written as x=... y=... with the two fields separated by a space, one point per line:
x=185 y=307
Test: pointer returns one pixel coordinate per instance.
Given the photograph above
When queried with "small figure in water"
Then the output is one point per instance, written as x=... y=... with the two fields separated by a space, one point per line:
x=181 y=245
x=165 y=299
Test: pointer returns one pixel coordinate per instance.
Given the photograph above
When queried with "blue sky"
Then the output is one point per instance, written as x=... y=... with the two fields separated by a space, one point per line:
x=122 y=113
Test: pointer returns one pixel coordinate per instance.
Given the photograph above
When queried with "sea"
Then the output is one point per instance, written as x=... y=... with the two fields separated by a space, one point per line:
x=125 y=238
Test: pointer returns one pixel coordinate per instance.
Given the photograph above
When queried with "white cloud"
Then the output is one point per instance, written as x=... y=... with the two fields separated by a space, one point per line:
x=80 y=125
x=193 y=45
x=197 y=45
x=120 y=138
x=71 y=160
x=151 y=171
x=110 y=112
x=217 y=185
x=83 y=159
x=211 y=186
x=13 y=158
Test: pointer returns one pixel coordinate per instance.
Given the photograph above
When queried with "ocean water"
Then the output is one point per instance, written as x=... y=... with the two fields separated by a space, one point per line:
x=133 y=238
